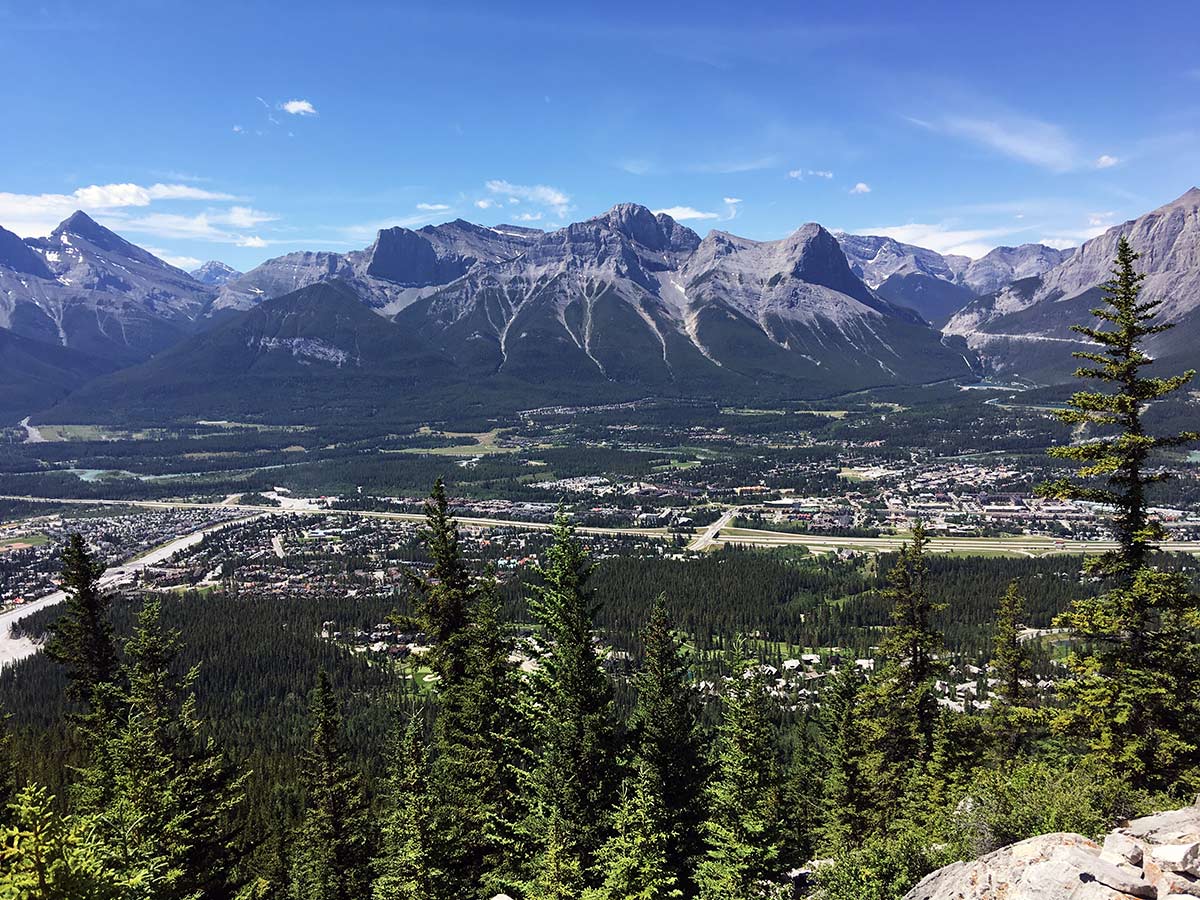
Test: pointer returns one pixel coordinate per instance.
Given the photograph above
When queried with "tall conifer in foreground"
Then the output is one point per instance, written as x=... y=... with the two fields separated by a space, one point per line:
x=743 y=833
x=1117 y=452
x=666 y=738
x=1134 y=691
x=82 y=637
x=902 y=710
x=573 y=781
x=406 y=867
x=332 y=854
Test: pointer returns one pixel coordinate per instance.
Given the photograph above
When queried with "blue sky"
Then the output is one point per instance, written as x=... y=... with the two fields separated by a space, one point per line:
x=244 y=131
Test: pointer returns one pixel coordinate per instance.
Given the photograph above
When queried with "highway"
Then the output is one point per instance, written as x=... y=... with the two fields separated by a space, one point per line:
x=709 y=536
x=716 y=534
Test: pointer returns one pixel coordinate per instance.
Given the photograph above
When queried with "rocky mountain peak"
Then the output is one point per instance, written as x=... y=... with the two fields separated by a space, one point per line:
x=654 y=232
x=215 y=273
x=15 y=254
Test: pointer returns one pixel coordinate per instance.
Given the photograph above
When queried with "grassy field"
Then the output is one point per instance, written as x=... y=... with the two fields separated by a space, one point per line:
x=26 y=540
x=485 y=443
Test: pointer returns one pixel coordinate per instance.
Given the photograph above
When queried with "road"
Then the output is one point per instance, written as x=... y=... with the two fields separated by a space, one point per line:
x=708 y=537
x=467 y=521
x=33 y=434
x=714 y=535
x=13 y=649
x=1028 y=546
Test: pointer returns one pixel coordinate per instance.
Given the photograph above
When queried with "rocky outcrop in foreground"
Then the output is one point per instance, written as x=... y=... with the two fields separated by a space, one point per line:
x=1153 y=858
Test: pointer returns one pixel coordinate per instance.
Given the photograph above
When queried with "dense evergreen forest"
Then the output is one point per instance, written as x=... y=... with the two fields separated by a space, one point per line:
x=614 y=731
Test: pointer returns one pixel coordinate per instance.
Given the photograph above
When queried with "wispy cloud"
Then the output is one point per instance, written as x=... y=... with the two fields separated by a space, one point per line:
x=31 y=215
x=539 y=194
x=735 y=166
x=433 y=207
x=485 y=203
x=1028 y=140
x=943 y=237
x=861 y=188
x=1104 y=161
x=186 y=263
x=684 y=213
x=799 y=174
x=298 y=108
x=528 y=217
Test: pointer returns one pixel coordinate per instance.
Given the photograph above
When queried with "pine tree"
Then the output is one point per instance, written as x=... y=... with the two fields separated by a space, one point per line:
x=635 y=861
x=473 y=773
x=1120 y=456
x=333 y=847
x=82 y=638
x=1136 y=676
x=844 y=791
x=158 y=791
x=666 y=738
x=406 y=867
x=46 y=855
x=1010 y=663
x=447 y=592
x=743 y=830
x=573 y=789
x=1012 y=715
x=902 y=707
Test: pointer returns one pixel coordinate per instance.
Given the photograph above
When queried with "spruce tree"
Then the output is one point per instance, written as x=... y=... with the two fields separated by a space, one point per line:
x=1012 y=714
x=473 y=772
x=573 y=790
x=406 y=867
x=743 y=833
x=333 y=848
x=902 y=706
x=635 y=862
x=446 y=593
x=844 y=791
x=1010 y=662
x=157 y=790
x=1119 y=454
x=82 y=637
x=1135 y=676
x=666 y=739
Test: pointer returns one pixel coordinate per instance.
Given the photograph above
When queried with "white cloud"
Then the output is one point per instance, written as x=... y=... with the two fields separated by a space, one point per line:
x=731 y=207
x=1059 y=243
x=540 y=194
x=1104 y=161
x=799 y=174
x=485 y=203
x=942 y=237
x=251 y=241
x=433 y=207
x=861 y=188
x=528 y=217
x=31 y=215
x=187 y=263
x=1032 y=141
x=243 y=217
x=820 y=173
x=298 y=108
x=683 y=213
x=238 y=129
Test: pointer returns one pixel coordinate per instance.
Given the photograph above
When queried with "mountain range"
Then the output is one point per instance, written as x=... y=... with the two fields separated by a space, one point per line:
x=623 y=305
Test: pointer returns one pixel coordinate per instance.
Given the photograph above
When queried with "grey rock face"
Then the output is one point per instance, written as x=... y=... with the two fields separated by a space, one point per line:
x=1152 y=857
x=215 y=273
x=85 y=288
x=1039 y=311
